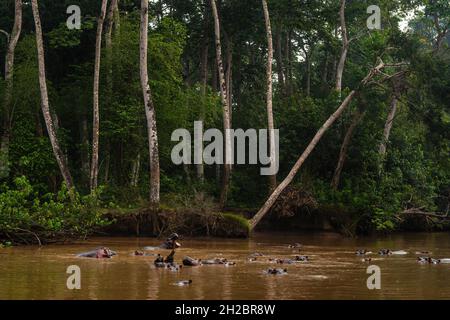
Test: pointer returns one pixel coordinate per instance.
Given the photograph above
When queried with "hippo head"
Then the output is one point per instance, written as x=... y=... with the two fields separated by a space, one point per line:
x=173 y=237
x=104 y=253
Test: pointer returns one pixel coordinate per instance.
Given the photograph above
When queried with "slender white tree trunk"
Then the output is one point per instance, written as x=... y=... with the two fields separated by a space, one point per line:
x=226 y=108
x=135 y=171
x=344 y=51
x=270 y=121
x=13 y=39
x=204 y=80
x=388 y=126
x=96 y=111
x=60 y=158
x=277 y=192
x=149 y=109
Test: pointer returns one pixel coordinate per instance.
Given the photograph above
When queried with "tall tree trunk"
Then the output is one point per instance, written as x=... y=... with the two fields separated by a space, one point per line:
x=280 y=67
x=277 y=192
x=288 y=58
x=150 y=112
x=358 y=116
x=60 y=159
x=270 y=121
x=441 y=33
x=229 y=75
x=344 y=50
x=308 y=76
x=9 y=71
x=324 y=76
x=388 y=126
x=96 y=112
x=111 y=20
x=214 y=76
x=135 y=171
x=204 y=81
x=85 y=163
x=226 y=109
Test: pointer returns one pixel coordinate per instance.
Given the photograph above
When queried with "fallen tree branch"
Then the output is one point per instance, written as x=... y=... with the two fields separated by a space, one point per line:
x=420 y=211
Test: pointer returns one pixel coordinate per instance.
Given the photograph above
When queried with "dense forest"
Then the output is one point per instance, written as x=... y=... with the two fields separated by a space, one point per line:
x=88 y=111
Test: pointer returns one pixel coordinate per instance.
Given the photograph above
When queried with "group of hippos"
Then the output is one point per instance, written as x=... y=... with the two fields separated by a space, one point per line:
x=423 y=256
x=171 y=243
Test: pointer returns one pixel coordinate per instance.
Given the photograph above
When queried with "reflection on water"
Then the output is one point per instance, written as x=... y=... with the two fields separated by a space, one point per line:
x=334 y=271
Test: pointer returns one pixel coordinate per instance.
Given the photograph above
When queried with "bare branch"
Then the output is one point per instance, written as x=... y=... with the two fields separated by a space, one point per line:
x=6 y=34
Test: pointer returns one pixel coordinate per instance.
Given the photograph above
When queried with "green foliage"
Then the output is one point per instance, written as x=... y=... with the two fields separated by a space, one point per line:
x=414 y=173
x=48 y=217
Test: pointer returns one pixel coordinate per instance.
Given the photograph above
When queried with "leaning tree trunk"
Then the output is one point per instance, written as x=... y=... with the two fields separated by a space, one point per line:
x=226 y=109
x=149 y=109
x=280 y=66
x=96 y=113
x=277 y=192
x=270 y=122
x=344 y=51
x=60 y=159
x=9 y=70
x=358 y=116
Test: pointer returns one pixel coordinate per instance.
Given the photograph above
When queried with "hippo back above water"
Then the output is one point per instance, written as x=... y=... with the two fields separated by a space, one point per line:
x=99 y=253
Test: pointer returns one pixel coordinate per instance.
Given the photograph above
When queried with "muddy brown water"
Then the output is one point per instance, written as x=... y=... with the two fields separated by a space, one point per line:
x=334 y=271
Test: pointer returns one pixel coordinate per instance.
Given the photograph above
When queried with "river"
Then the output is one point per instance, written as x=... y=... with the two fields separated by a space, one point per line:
x=333 y=272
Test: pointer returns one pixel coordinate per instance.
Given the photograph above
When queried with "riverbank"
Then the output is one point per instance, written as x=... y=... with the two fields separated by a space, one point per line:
x=233 y=223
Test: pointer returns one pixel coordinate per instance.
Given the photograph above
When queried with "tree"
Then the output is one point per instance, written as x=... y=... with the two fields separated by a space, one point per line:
x=277 y=192
x=9 y=71
x=344 y=50
x=112 y=18
x=96 y=113
x=59 y=155
x=226 y=108
x=357 y=117
x=272 y=178
x=398 y=86
x=149 y=109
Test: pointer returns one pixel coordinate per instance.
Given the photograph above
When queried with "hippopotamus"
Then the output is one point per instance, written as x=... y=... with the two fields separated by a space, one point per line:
x=215 y=261
x=386 y=252
x=99 y=253
x=169 y=259
x=142 y=254
x=428 y=260
x=159 y=262
x=188 y=261
x=276 y=271
x=362 y=252
x=183 y=283
x=174 y=268
x=170 y=243
x=301 y=258
x=284 y=261
x=256 y=255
